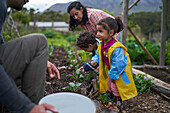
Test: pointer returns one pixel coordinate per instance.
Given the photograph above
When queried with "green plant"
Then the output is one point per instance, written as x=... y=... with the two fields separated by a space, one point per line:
x=50 y=33
x=58 y=42
x=138 y=56
x=84 y=55
x=105 y=98
x=72 y=86
x=71 y=38
x=142 y=84
x=8 y=36
x=167 y=58
x=74 y=58
x=76 y=75
x=51 y=49
x=88 y=76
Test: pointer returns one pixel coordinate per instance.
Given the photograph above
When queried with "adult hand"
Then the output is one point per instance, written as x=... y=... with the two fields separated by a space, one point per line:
x=52 y=70
x=42 y=108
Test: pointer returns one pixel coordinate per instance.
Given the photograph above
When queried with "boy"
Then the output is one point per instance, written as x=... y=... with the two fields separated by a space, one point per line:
x=88 y=42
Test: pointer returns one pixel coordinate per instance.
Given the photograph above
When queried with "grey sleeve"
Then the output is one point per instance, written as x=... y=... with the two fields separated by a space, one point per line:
x=11 y=97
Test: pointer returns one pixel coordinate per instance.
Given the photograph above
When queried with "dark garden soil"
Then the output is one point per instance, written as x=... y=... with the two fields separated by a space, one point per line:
x=143 y=103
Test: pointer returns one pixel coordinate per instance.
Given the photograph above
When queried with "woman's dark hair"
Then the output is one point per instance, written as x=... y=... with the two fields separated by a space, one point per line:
x=109 y=23
x=74 y=23
x=86 y=38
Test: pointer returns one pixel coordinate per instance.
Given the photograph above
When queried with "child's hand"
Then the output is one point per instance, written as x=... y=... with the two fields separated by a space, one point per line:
x=82 y=69
x=93 y=63
x=90 y=67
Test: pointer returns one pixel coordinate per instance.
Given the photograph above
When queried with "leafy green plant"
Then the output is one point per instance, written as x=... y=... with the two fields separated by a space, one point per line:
x=76 y=75
x=84 y=55
x=71 y=38
x=105 y=98
x=87 y=76
x=72 y=86
x=138 y=56
x=51 y=49
x=74 y=58
x=142 y=84
x=8 y=36
x=50 y=33
x=167 y=58
x=58 y=42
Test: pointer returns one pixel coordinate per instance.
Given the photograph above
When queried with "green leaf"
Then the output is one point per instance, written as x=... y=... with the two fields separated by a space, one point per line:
x=81 y=76
x=78 y=71
x=78 y=84
x=76 y=76
x=69 y=76
x=83 y=57
x=121 y=3
x=72 y=84
x=67 y=87
x=160 y=7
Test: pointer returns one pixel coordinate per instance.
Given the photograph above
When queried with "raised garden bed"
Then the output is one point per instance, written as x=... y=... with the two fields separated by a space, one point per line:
x=152 y=102
x=160 y=76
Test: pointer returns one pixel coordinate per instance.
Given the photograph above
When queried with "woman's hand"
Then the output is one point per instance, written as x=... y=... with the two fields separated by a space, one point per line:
x=52 y=70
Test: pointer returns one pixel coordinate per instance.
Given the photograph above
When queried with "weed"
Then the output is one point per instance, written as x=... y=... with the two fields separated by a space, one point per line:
x=142 y=84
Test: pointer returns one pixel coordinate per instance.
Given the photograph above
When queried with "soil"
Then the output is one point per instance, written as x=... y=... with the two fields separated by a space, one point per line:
x=143 y=103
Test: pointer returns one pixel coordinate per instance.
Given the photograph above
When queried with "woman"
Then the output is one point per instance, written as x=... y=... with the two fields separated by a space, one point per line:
x=85 y=17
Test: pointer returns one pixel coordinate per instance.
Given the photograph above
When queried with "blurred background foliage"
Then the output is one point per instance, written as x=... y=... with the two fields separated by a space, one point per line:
x=146 y=25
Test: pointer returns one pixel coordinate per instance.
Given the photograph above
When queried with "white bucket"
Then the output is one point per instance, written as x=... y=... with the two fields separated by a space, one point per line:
x=70 y=103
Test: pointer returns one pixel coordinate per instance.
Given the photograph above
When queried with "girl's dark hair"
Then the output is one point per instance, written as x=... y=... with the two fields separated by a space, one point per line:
x=74 y=23
x=109 y=23
x=86 y=38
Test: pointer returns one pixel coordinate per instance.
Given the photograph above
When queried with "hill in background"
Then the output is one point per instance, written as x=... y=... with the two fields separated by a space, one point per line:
x=113 y=6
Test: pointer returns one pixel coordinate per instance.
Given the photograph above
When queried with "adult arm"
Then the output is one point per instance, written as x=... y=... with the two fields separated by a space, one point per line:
x=11 y=96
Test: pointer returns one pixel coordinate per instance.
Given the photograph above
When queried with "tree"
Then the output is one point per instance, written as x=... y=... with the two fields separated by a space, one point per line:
x=125 y=21
x=163 y=32
x=21 y=17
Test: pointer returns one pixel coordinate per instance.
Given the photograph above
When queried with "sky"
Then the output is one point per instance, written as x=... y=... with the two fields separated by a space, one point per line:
x=44 y=4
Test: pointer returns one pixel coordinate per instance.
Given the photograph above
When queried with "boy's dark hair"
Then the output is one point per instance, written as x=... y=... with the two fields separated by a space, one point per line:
x=109 y=23
x=86 y=38
x=72 y=22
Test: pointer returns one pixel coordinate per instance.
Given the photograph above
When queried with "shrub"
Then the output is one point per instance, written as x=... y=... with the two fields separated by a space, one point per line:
x=50 y=33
